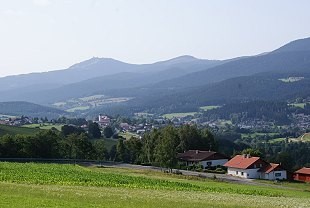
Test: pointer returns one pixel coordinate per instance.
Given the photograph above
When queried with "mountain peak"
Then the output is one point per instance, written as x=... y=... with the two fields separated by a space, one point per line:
x=184 y=58
x=93 y=60
x=296 y=45
x=179 y=59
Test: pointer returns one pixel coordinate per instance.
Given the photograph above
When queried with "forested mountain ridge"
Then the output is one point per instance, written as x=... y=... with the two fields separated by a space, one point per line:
x=183 y=83
x=29 y=109
x=94 y=75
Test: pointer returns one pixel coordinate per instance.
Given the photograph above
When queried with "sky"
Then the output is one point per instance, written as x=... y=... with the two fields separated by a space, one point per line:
x=44 y=35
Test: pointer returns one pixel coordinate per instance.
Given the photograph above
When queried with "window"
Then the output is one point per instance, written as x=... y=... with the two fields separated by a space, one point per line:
x=260 y=165
x=237 y=172
x=248 y=174
x=209 y=163
x=277 y=175
x=254 y=166
x=242 y=173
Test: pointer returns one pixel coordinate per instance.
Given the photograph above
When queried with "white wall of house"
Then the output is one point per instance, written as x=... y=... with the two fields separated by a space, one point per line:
x=274 y=175
x=213 y=163
x=244 y=173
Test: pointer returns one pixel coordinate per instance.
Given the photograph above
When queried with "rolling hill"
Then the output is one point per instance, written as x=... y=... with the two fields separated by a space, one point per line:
x=29 y=109
x=14 y=130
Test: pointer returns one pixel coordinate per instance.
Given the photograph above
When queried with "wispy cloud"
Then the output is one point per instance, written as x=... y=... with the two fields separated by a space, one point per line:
x=41 y=3
x=12 y=12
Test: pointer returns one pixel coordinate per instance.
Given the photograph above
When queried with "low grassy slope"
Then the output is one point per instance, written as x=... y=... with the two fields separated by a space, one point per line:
x=19 y=108
x=178 y=115
x=108 y=142
x=305 y=137
x=52 y=185
x=209 y=107
x=128 y=135
x=44 y=126
x=14 y=130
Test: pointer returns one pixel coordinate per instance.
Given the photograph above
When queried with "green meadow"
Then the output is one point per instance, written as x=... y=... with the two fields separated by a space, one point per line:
x=44 y=126
x=55 y=185
x=14 y=130
x=178 y=115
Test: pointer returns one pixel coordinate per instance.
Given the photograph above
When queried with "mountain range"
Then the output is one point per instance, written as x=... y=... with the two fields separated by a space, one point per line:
x=177 y=84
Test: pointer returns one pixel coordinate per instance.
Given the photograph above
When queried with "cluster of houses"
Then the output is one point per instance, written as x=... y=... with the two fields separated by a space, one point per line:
x=301 y=120
x=244 y=166
x=15 y=121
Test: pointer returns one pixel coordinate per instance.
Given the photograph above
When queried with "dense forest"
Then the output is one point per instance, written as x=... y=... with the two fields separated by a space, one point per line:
x=264 y=110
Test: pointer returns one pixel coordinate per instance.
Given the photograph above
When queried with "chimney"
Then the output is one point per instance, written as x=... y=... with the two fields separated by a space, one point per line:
x=197 y=151
x=244 y=155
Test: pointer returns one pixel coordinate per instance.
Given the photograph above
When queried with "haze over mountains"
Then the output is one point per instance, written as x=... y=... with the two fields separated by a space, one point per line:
x=179 y=82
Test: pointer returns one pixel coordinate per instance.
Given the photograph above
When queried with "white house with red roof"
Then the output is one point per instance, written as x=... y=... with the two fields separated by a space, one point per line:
x=273 y=172
x=246 y=166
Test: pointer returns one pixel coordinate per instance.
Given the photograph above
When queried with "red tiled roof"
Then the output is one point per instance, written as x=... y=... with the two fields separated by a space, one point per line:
x=270 y=167
x=240 y=161
x=198 y=155
x=304 y=171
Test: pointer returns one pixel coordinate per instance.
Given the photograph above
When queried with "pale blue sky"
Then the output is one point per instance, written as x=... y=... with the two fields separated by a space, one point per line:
x=42 y=35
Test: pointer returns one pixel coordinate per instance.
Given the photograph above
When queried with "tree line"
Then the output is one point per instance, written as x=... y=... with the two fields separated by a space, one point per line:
x=158 y=147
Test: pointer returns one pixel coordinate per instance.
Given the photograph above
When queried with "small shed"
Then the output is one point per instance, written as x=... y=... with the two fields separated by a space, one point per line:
x=302 y=174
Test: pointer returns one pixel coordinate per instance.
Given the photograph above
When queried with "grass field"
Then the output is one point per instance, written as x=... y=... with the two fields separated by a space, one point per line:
x=277 y=140
x=253 y=135
x=178 y=115
x=305 y=137
x=209 y=107
x=14 y=130
x=128 y=135
x=298 y=105
x=80 y=108
x=291 y=79
x=54 y=185
x=109 y=142
x=44 y=126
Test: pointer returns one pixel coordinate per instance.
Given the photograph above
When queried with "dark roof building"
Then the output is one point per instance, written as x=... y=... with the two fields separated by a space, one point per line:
x=204 y=158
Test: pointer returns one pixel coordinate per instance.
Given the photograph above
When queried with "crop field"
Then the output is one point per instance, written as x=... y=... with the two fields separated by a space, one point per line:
x=55 y=185
x=14 y=130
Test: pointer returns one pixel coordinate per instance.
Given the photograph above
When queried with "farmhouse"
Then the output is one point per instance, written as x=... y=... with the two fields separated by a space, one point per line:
x=246 y=166
x=204 y=158
x=302 y=174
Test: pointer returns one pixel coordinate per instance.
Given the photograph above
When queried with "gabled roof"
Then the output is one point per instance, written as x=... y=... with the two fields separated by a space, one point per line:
x=303 y=171
x=241 y=161
x=271 y=167
x=198 y=155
